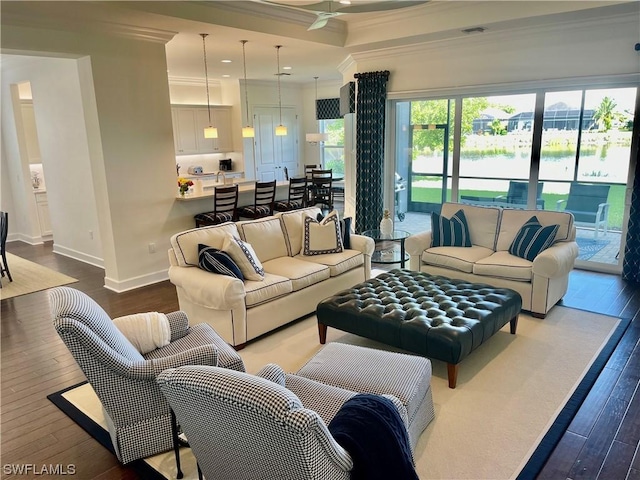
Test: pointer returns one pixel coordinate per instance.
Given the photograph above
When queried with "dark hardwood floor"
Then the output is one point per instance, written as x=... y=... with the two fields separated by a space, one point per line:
x=601 y=442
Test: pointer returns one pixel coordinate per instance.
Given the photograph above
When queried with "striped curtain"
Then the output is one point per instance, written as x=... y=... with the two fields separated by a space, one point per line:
x=370 y=127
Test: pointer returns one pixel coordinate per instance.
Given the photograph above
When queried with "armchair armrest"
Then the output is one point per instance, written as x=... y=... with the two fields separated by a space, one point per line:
x=178 y=324
x=200 y=355
x=219 y=292
x=556 y=260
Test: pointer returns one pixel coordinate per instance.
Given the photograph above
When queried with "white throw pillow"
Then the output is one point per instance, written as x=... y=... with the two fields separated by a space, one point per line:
x=322 y=237
x=242 y=253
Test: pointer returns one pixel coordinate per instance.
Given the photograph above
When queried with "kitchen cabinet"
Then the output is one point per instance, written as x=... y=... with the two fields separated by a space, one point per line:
x=189 y=123
x=42 y=205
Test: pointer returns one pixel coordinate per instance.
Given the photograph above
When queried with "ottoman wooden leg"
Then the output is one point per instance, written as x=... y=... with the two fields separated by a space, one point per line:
x=452 y=373
x=322 y=332
x=513 y=325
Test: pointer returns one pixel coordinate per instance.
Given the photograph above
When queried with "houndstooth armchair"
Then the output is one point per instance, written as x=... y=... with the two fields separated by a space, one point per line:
x=124 y=380
x=270 y=425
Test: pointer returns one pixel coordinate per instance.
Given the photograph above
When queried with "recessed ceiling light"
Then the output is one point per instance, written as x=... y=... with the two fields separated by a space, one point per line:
x=226 y=76
x=225 y=61
x=286 y=68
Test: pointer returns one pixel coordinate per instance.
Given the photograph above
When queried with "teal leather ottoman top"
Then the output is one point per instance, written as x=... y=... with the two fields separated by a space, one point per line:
x=434 y=316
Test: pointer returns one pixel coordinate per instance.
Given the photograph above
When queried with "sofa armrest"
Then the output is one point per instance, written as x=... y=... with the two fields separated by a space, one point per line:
x=556 y=260
x=415 y=245
x=363 y=244
x=211 y=290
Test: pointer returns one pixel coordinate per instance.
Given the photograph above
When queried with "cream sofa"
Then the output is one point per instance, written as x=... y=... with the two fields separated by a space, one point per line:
x=293 y=283
x=541 y=282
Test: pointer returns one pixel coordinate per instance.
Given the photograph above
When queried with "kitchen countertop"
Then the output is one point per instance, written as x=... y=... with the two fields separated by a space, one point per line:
x=243 y=186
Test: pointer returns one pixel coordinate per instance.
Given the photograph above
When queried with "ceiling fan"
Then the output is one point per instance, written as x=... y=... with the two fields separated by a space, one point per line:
x=328 y=9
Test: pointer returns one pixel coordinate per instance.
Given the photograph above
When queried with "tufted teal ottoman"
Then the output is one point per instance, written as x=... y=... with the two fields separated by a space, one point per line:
x=433 y=316
x=368 y=370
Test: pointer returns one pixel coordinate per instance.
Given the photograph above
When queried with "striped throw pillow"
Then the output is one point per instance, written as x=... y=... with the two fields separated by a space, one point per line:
x=453 y=232
x=216 y=261
x=532 y=238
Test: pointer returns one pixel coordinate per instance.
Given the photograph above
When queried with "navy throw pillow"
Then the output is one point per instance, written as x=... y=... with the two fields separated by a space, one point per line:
x=216 y=261
x=532 y=238
x=450 y=232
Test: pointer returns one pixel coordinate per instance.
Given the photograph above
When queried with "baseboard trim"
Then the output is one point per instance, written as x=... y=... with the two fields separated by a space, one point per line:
x=120 y=286
x=81 y=257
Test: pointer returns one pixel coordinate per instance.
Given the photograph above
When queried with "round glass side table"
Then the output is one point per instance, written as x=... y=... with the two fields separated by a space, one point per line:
x=389 y=255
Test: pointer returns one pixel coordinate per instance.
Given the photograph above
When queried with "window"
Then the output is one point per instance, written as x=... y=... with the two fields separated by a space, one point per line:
x=332 y=151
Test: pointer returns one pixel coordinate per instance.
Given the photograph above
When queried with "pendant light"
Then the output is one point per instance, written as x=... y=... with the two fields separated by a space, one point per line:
x=315 y=138
x=248 y=131
x=281 y=130
x=210 y=131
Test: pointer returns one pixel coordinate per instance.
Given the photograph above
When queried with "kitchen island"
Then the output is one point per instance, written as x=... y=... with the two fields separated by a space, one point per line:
x=246 y=192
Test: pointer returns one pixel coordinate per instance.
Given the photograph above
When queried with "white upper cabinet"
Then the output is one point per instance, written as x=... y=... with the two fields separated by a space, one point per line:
x=189 y=123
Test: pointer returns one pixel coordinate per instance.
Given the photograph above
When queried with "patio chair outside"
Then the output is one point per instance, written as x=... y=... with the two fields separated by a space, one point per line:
x=589 y=206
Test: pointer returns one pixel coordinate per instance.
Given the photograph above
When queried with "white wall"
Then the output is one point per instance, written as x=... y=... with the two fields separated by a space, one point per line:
x=122 y=84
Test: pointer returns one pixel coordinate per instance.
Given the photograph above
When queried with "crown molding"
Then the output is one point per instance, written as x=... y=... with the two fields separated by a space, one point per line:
x=193 y=81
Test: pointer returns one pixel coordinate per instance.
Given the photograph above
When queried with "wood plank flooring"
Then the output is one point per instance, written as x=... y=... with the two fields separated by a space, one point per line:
x=601 y=443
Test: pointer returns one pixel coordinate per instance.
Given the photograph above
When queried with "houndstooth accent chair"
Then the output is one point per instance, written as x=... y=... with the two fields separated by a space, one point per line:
x=137 y=413
x=243 y=426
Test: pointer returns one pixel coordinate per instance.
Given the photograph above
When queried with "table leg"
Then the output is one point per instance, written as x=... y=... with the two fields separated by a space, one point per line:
x=402 y=260
x=176 y=445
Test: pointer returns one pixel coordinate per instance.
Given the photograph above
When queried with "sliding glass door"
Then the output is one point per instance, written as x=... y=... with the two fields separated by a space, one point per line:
x=577 y=158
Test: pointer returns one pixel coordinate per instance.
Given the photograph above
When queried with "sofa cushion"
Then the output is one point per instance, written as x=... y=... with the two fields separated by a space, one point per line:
x=320 y=237
x=292 y=227
x=265 y=236
x=301 y=273
x=338 y=263
x=504 y=265
x=532 y=238
x=185 y=244
x=450 y=232
x=455 y=258
x=512 y=221
x=216 y=261
x=345 y=229
x=269 y=288
x=483 y=222
x=245 y=257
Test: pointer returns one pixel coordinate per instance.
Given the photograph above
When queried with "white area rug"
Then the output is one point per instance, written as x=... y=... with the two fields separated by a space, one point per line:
x=29 y=277
x=509 y=391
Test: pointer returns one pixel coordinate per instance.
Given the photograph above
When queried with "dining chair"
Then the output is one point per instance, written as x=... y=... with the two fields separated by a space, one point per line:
x=225 y=204
x=308 y=169
x=297 y=196
x=4 y=230
x=320 y=190
x=264 y=199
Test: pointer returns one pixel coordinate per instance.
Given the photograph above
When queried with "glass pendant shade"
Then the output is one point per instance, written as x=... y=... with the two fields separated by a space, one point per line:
x=248 y=131
x=210 y=132
x=281 y=131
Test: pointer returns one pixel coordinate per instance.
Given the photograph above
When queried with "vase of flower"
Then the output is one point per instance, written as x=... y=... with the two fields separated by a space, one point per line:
x=183 y=185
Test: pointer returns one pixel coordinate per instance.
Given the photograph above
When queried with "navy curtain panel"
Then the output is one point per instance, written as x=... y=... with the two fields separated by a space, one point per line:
x=631 y=263
x=370 y=118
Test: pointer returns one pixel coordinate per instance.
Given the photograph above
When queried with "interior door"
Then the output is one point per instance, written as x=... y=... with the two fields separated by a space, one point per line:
x=274 y=153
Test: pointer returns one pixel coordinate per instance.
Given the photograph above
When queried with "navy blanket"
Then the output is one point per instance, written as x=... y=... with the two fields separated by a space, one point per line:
x=370 y=428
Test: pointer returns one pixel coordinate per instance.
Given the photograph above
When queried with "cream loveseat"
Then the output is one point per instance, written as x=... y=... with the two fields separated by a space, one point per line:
x=541 y=282
x=293 y=283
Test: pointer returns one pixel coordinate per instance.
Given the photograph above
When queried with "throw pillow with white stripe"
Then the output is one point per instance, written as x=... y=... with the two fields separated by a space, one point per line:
x=450 y=232
x=245 y=257
x=216 y=261
x=533 y=238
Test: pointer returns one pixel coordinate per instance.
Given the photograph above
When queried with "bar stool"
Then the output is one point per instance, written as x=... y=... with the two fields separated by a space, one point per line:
x=263 y=203
x=320 y=189
x=225 y=203
x=297 y=196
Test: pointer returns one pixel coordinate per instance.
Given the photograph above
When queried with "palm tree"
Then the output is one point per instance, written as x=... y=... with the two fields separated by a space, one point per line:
x=604 y=114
